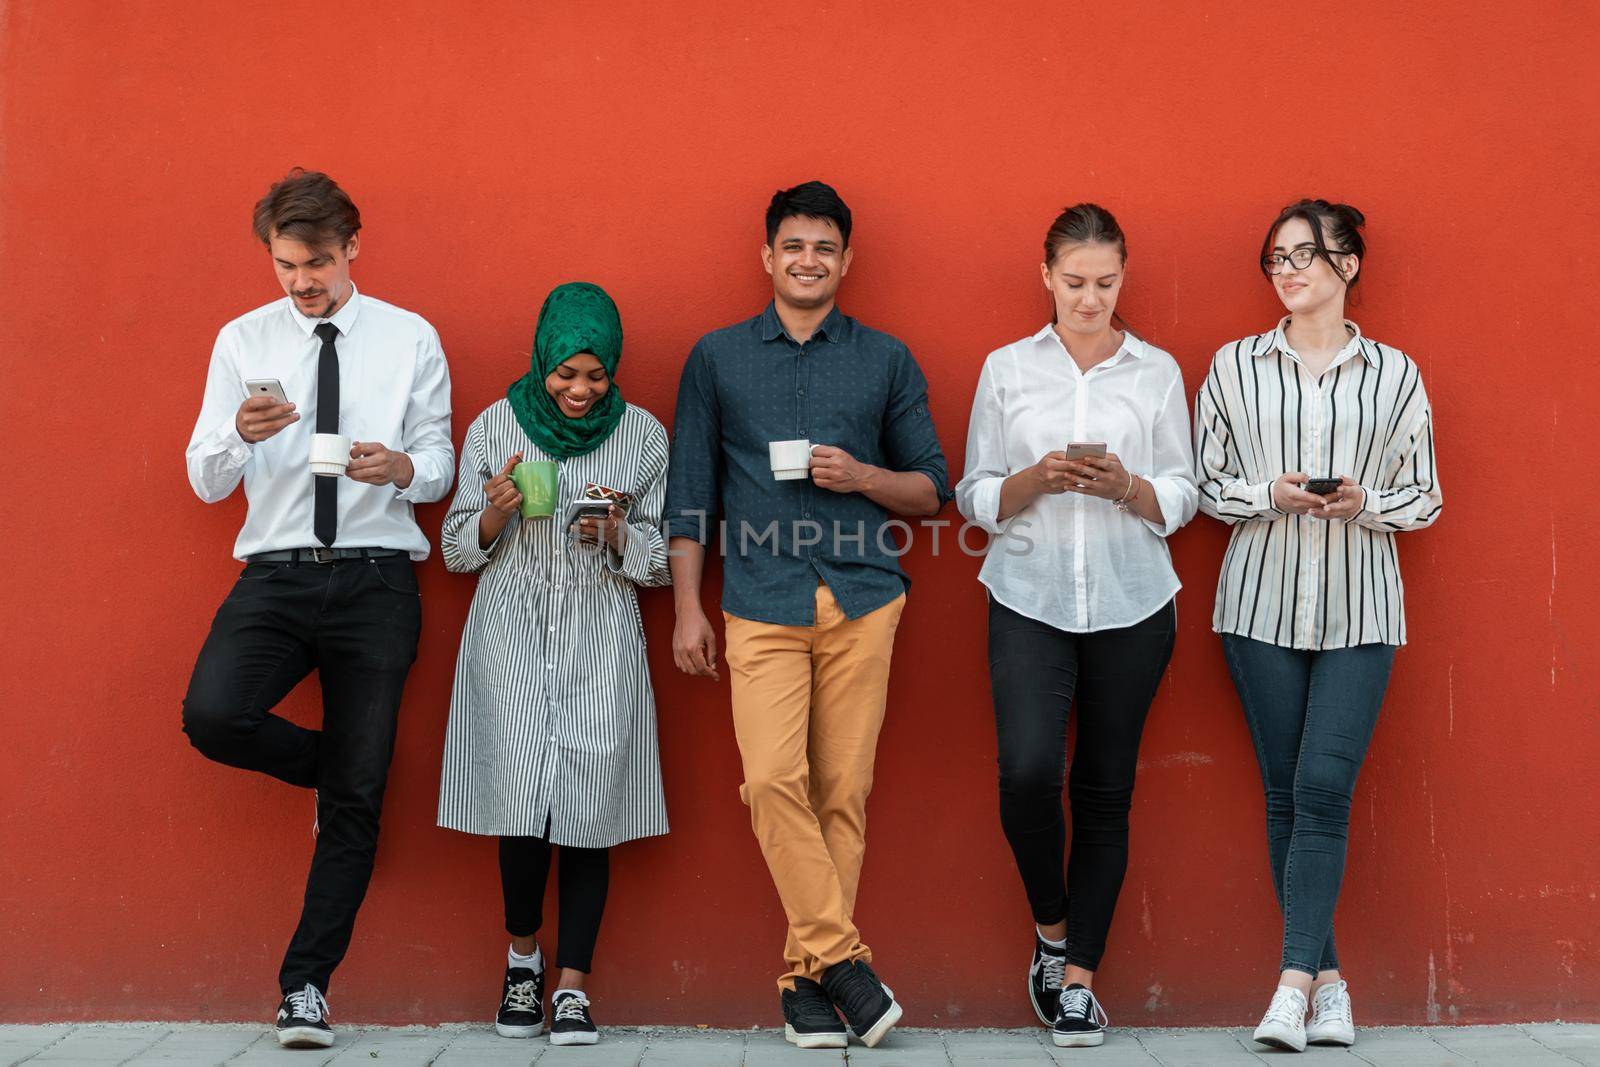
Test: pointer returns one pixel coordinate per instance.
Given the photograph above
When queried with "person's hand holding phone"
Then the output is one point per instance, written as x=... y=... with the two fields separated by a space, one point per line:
x=261 y=417
x=1345 y=502
x=1101 y=476
x=1053 y=473
x=596 y=529
x=1289 y=495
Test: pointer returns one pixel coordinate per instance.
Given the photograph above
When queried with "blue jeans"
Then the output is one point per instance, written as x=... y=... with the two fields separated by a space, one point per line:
x=1311 y=716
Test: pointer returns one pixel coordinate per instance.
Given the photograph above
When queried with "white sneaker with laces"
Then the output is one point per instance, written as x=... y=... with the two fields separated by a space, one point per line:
x=1284 y=1024
x=1331 y=1020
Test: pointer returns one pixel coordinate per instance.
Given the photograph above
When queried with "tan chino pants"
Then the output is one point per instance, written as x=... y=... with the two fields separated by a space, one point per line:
x=808 y=702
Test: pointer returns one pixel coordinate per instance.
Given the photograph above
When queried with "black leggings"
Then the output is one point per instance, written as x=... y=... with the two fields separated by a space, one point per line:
x=1035 y=671
x=583 y=879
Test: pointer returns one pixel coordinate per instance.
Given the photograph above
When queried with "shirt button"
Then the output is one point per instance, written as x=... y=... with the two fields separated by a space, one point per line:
x=801 y=392
x=552 y=666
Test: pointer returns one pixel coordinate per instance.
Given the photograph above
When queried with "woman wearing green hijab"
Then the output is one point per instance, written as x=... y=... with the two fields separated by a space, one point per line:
x=552 y=733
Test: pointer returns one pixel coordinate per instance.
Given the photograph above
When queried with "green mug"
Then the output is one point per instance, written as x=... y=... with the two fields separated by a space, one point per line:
x=536 y=481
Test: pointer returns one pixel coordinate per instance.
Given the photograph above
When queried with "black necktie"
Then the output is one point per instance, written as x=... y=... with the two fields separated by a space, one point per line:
x=325 y=521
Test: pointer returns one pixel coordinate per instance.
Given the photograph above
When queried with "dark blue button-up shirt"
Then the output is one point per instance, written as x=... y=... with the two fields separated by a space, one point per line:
x=747 y=385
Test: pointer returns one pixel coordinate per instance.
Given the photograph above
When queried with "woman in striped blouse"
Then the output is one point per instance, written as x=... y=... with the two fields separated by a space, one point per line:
x=552 y=733
x=1316 y=444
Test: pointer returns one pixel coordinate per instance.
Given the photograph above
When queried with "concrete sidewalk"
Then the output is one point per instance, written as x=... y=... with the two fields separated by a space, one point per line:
x=470 y=1046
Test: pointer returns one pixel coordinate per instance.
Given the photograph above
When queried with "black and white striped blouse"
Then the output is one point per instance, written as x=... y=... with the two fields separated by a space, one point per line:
x=1294 y=580
x=552 y=716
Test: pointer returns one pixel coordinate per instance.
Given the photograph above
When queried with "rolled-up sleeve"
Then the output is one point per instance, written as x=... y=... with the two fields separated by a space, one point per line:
x=910 y=442
x=1224 y=492
x=427 y=425
x=978 y=493
x=692 y=478
x=1172 y=462
x=217 y=455
x=458 y=539
x=643 y=559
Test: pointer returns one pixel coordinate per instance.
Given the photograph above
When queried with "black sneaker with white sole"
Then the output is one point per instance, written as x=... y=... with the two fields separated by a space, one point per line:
x=1044 y=979
x=303 y=1019
x=865 y=1002
x=521 y=1011
x=809 y=1020
x=570 y=1023
x=1080 y=1020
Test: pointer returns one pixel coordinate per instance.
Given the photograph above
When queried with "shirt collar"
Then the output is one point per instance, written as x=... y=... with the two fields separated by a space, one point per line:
x=834 y=327
x=1278 y=341
x=344 y=318
x=1131 y=347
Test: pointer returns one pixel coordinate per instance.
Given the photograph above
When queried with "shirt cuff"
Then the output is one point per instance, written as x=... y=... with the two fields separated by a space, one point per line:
x=985 y=503
x=469 y=556
x=1170 y=497
x=1362 y=512
x=634 y=561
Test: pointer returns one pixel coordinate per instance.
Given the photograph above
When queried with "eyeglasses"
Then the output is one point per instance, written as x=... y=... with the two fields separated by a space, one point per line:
x=1300 y=259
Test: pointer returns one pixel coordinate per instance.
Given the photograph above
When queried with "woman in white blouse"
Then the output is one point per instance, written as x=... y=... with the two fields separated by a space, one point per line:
x=1316 y=444
x=1080 y=591
x=552 y=733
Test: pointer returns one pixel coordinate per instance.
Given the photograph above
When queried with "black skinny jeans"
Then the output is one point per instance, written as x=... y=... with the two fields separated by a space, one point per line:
x=1036 y=671
x=355 y=622
x=583 y=878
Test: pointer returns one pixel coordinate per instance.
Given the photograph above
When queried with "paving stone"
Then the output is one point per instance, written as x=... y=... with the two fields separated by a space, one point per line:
x=701 y=1049
x=1497 y=1045
x=903 y=1047
x=482 y=1046
x=1580 y=1043
x=617 y=1048
x=103 y=1043
x=200 y=1045
x=18 y=1042
x=973 y=1047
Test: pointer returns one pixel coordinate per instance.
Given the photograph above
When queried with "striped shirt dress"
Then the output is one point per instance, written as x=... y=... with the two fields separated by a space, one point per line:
x=552 y=716
x=1294 y=580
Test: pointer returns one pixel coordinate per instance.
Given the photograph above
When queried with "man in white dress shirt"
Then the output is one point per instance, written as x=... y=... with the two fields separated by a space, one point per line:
x=328 y=582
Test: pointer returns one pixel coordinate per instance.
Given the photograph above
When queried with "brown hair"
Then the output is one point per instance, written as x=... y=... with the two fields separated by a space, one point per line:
x=1341 y=222
x=1084 y=224
x=309 y=207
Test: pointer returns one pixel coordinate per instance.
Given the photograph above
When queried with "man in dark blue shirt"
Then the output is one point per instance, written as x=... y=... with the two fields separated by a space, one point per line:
x=802 y=430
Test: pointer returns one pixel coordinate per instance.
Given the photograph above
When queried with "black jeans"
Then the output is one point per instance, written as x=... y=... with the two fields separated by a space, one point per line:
x=356 y=623
x=1311 y=717
x=1036 y=671
x=583 y=879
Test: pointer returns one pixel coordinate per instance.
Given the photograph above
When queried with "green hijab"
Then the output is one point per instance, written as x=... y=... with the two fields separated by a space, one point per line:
x=576 y=317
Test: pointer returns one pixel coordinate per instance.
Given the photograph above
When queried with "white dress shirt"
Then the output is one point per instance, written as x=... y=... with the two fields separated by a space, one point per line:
x=1077 y=562
x=394 y=388
x=1293 y=580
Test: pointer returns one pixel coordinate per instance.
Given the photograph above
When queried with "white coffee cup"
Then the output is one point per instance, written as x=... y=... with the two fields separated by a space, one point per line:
x=330 y=454
x=791 y=460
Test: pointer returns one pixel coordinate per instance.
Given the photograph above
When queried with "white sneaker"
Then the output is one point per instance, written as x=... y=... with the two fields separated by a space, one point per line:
x=1284 y=1024
x=1331 y=1022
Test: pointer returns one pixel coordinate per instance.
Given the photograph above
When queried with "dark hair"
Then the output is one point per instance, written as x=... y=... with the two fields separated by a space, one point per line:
x=1341 y=222
x=813 y=200
x=309 y=207
x=1084 y=224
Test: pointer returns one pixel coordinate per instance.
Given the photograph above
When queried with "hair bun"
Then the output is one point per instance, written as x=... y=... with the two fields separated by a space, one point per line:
x=1352 y=213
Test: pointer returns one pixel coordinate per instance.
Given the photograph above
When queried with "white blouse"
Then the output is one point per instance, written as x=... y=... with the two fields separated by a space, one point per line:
x=1077 y=562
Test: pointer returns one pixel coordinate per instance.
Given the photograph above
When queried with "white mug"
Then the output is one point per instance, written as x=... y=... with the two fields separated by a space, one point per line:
x=330 y=454
x=791 y=460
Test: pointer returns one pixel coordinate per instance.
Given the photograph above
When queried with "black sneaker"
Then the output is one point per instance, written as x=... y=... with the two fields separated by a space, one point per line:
x=303 y=1019
x=1044 y=979
x=1080 y=1020
x=866 y=1003
x=570 y=1023
x=809 y=1020
x=521 y=1003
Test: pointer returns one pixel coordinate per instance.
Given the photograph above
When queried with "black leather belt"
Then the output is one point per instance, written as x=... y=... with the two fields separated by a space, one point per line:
x=322 y=555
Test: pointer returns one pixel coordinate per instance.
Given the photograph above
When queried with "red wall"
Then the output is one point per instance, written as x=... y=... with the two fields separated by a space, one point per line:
x=636 y=144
